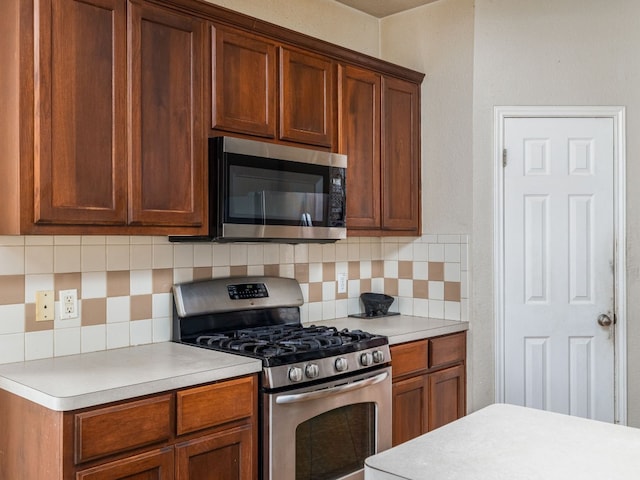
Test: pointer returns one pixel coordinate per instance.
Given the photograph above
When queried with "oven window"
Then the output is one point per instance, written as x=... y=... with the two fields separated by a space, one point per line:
x=335 y=443
x=276 y=192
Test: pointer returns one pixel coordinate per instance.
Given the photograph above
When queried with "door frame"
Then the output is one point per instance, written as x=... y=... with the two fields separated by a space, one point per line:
x=617 y=113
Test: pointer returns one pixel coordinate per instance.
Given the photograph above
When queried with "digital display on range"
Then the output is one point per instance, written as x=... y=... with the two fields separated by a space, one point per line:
x=247 y=290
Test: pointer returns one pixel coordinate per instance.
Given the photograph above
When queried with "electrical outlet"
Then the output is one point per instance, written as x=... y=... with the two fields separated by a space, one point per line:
x=342 y=283
x=44 y=305
x=68 y=304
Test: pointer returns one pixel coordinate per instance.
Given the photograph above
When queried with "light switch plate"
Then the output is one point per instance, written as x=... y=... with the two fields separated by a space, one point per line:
x=342 y=283
x=45 y=300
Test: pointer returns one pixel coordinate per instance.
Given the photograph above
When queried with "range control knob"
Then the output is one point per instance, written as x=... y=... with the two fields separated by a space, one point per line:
x=378 y=356
x=312 y=370
x=366 y=359
x=295 y=374
x=341 y=364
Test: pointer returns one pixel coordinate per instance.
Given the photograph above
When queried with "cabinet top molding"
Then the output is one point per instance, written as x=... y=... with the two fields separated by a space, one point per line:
x=221 y=15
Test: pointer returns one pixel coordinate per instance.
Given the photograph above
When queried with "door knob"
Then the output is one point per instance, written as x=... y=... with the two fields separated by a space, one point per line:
x=604 y=320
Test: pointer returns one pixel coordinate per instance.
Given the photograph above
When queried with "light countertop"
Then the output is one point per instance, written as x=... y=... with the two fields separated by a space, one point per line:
x=88 y=379
x=515 y=443
x=78 y=381
x=400 y=328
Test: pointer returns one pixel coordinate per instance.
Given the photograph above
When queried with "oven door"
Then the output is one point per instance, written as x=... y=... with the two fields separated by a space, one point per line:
x=326 y=431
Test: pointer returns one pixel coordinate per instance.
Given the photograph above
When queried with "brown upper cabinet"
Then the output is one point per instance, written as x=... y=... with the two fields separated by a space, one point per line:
x=243 y=82
x=109 y=119
x=107 y=105
x=167 y=136
x=307 y=100
x=379 y=131
x=258 y=84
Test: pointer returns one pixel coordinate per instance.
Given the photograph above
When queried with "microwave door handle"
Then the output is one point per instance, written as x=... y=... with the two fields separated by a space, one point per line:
x=349 y=387
x=263 y=206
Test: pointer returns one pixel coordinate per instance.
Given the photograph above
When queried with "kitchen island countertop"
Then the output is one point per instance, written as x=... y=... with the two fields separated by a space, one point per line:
x=514 y=443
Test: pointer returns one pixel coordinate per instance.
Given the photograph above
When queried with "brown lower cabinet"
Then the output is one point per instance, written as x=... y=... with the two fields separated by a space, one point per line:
x=207 y=432
x=428 y=385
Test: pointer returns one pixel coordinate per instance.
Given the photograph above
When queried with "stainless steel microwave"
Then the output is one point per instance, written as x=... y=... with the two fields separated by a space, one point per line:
x=262 y=191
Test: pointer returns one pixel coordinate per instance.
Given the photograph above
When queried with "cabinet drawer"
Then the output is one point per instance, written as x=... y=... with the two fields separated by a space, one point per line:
x=409 y=358
x=447 y=349
x=211 y=405
x=110 y=430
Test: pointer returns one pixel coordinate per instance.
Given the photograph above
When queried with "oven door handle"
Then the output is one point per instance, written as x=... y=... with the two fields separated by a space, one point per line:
x=328 y=392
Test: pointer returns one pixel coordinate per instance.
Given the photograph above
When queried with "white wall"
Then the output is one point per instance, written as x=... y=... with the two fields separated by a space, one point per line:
x=325 y=19
x=551 y=52
x=437 y=39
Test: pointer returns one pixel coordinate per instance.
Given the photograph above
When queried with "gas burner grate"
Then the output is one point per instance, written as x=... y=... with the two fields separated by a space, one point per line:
x=275 y=340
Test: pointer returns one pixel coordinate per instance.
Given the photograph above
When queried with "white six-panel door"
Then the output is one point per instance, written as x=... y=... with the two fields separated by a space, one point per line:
x=559 y=265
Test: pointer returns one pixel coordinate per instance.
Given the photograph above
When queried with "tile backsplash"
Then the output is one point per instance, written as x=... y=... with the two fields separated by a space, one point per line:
x=124 y=283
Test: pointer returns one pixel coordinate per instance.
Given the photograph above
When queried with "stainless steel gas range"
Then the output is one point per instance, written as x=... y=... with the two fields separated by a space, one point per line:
x=325 y=394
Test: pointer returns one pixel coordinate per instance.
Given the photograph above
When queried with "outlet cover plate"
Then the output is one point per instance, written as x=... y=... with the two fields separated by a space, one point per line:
x=68 y=304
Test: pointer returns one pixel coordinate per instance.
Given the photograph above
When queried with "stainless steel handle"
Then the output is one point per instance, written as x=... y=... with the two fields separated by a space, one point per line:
x=349 y=387
x=604 y=320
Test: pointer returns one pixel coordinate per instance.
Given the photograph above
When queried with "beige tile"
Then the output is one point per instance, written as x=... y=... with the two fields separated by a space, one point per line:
x=365 y=285
x=163 y=279
x=66 y=258
x=354 y=270
x=238 y=270
x=420 y=289
x=162 y=256
x=391 y=286
x=18 y=240
x=436 y=271
x=199 y=273
x=38 y=259
x=117 y=257
x=301 y=271
x=452 y=291
x=94 y=258
x=118 y=283
x=68 y=281
x=377 y=269
x=405 y=269
x=141 y=257
x=329 y=272
x=272 y=270
x=12 y=260
x=141 y=307
x=315 y=292
x=11 y=289
x=30 y=324
x=94 y=311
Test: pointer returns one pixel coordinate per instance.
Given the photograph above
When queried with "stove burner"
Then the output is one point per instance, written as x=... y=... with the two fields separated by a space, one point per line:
x=275 y=340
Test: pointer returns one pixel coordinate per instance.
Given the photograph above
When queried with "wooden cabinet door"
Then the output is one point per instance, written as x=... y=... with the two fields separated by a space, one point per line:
x=155 y=465
x=410 y=409
x=400 y=155
x=307 y=98
x=243 y=83
x=230 y=454
x=167 y=135
x=80 y=174
x=446 y=396
x=359 y=139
